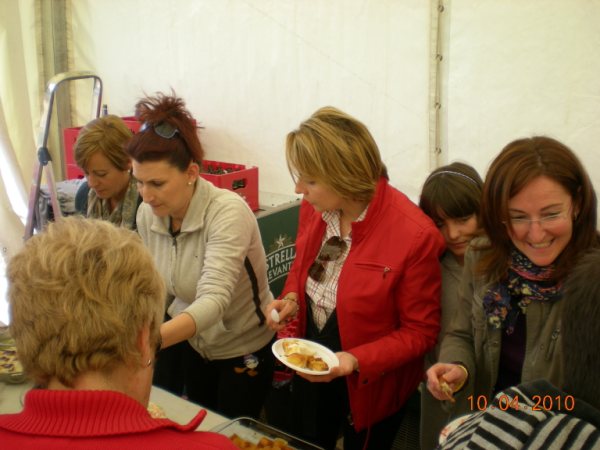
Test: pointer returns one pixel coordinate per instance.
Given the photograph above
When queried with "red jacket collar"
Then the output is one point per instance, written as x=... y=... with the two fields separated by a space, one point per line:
x=86 y=413
x=360 y=229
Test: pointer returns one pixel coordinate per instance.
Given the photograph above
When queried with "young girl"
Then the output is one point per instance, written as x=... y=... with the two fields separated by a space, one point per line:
x=451 y=196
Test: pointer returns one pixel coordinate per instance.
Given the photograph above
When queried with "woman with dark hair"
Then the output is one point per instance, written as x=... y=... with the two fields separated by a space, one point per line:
x=451 y=196
x=207 y=246
x=539 y=213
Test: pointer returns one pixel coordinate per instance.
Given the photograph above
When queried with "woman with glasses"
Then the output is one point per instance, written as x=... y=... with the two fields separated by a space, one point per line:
x=207 y=246
x=451 y=196
x=365 y=283
x=539 y=213
x=110 y=192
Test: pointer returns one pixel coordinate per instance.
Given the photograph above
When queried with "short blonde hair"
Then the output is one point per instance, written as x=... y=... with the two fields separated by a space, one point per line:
x=338 y=151
x=107 y=135
x=79 y=293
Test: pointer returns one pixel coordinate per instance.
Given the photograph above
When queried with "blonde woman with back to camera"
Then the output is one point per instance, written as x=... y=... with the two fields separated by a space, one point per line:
x=539 y=214
x=86 y=303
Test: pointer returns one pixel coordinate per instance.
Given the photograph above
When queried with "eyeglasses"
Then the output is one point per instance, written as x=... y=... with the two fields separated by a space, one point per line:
x=163 y=129
x=331 y=251
x=547 y=221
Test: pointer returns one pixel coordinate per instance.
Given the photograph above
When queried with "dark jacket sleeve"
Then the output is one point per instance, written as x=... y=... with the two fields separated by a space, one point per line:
x=81 y=198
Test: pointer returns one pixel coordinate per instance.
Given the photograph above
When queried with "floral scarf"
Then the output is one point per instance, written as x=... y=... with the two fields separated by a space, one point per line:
x=525 y=282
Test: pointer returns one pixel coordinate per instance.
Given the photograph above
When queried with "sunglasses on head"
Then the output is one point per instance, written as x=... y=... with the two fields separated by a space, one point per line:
x=331 y=251
x=163 y=129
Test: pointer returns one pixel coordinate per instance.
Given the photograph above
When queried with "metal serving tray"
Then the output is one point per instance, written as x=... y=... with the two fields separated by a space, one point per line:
x=253 y=431
x=11 y=370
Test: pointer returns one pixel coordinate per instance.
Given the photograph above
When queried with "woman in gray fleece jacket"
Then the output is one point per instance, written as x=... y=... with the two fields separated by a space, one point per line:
x=206 y=245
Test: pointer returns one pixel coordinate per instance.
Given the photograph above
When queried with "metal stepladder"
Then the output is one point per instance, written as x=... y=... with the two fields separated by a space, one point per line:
x=43 y=155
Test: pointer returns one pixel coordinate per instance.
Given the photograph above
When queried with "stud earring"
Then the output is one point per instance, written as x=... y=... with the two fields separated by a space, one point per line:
x=149 y=363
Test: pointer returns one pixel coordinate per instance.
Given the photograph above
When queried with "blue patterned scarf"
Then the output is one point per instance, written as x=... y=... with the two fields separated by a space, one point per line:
x=525 y=282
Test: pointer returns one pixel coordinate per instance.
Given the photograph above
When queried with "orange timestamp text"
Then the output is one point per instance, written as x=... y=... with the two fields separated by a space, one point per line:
x=540 y=403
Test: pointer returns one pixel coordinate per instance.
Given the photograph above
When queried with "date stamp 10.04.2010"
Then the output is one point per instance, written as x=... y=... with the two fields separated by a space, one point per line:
x=505 y=402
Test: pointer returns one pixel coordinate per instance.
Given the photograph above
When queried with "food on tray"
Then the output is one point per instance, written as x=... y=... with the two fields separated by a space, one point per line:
x=302 y=355
x=11 y=369
x=446 y=389
x=247 y=433
x=263 y=444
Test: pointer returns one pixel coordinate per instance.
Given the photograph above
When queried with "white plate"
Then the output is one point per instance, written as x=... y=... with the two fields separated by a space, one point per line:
x=322 y=352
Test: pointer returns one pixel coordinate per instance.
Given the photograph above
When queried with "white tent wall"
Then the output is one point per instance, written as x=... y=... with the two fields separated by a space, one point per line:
x=518 y=68
x=251 y=70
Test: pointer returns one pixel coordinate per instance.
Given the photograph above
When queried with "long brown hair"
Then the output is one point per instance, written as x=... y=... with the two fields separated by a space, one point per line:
x=518 y=164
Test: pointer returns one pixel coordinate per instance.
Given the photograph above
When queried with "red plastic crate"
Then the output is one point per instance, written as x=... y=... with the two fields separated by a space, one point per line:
x=241 y=180
x=69 y=138
x=132 y=123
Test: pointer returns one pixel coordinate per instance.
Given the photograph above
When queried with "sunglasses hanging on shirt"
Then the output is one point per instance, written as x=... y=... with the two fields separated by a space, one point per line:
x=333 y=248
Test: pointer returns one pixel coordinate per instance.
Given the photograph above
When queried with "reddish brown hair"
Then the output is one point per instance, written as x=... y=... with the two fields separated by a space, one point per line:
x=180 y=150
x=518 y=164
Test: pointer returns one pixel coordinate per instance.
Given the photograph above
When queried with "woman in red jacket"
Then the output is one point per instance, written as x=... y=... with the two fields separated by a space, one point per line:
x=365 y=283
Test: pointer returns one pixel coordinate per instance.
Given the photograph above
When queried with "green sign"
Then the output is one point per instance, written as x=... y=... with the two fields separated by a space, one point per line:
x=278 y=228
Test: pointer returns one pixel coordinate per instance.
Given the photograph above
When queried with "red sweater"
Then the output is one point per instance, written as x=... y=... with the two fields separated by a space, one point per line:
x=98 y=420
x=388 y=298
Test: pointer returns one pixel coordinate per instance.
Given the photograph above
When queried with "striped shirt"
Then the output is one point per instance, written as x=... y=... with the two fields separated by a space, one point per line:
x=324 y=293
x=533 y=415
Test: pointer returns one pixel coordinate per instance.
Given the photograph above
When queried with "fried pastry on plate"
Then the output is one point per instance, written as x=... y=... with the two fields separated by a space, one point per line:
x=297 y=359
x=295 y=346
x=317 y=364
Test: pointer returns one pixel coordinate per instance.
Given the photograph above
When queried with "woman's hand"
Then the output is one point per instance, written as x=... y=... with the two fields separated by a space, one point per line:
x=454 y=375
x=286 y=308
x=348 y=364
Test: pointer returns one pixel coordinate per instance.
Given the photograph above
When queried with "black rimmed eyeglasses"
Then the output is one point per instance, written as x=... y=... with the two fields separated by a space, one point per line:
x=163 y=129
x=333 y=248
